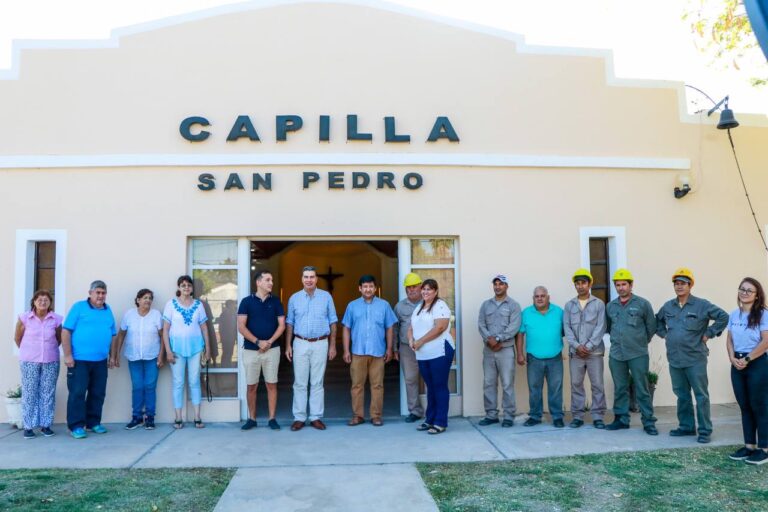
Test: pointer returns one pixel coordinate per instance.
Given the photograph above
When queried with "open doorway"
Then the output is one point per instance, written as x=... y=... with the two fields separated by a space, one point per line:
x=339 y=265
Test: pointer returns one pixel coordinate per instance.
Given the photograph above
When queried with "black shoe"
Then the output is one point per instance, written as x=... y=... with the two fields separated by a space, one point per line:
x=576 y=423
x=249 y=424
x=47 y=432
x=29 y=434
x=558 y=423
x=679 y=432
x=487 y=421
x=149 y=423
x=273 y=424
x=651 y=430
x=507 y=423
x=742 y=453
x=412 y=418
x=616 y=425
x=599 y=424
x=530 y=422
x=705 y=439
x=135 y=422
x=757 y=458
x=424 y=427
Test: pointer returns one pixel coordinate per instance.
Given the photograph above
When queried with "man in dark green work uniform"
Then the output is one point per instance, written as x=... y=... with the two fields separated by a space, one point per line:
x=685 y=323
x=631 y=323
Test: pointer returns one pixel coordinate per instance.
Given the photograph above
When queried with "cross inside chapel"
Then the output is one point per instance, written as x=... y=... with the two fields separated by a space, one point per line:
x=329 y=278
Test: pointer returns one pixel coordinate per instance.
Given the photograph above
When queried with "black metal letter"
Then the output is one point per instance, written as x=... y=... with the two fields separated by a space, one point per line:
x=243 y=127
x=385 y=178
x=285 y=124
x=185 y=129
x=325 y=128
x=206 y=182
x=352 y=133
x=443 y=130
x=390 y=134
x=310 y=178
x=262 y=181
x=336 y=180
x=413 y=180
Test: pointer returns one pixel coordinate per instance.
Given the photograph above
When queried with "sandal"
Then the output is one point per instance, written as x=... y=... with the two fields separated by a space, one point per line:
x=423 y=427
x=178 y=424
x=436 y=430
x=199 y=424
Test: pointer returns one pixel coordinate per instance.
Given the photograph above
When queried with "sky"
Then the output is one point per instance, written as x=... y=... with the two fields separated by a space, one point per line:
x=649 y=39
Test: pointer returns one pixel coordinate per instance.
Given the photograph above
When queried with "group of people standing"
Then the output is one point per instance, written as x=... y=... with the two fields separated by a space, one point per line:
x=533 y=337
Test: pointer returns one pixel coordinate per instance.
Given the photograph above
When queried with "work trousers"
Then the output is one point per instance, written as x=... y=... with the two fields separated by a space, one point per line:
x=368 y=368
x=538 y=370
x=594 y=366
x=750 y=386
x=309 y=361
x=499 y=366
x=435 y=373
x=410 y=369
x=684 y=380
x=635 y=369
x=38 y=393
x=143 y=387
x=87 y=386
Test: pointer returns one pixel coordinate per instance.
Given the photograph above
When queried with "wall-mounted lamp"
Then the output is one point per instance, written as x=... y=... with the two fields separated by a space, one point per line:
x=683 y=189
x=727 y=119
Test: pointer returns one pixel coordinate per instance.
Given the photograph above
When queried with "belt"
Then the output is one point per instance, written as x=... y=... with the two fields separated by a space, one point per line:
x=311 y=339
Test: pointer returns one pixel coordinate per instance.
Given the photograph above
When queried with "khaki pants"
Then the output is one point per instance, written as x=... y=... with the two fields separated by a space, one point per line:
x=411 y=373
x=367 y=368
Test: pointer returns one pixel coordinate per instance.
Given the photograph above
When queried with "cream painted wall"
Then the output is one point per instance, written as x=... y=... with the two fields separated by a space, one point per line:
x=129 y=225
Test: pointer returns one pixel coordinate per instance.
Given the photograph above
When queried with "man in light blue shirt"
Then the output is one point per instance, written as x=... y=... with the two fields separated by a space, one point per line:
x=311 y=326
x=369 y=323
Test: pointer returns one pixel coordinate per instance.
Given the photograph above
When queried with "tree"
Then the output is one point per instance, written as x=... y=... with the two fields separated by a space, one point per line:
x=723 y=31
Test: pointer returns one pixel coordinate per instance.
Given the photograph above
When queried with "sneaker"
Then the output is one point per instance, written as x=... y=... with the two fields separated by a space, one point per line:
x=530 y=422
x=757 y=458
x=705 y=439
x=599 y=424
x=651 y=430
x=487 y=421
x=149 y=423
x=576 y=423
x=47 y=432
x=558 y=423
x=249 y=424
x=29 y=434
x=742 y=453
x=79 y=433
x=412 y=418
x=679 y=432
x=616 y=425
x=97 y=429
x=508 y=423
x=135 y=422
x=273 y=424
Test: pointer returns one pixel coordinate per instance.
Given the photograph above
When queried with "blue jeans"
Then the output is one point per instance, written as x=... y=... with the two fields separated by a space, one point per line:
x=143 y=383
x=551 y=369
x=435 y=373
x=87 y=385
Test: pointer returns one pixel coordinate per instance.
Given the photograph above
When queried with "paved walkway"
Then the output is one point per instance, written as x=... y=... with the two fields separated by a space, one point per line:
x=342 y=467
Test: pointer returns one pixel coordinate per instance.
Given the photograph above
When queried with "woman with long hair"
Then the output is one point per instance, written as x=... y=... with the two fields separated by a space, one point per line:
x=185 y=338
x=747 y=345
x=38 y=336
x=429 y=335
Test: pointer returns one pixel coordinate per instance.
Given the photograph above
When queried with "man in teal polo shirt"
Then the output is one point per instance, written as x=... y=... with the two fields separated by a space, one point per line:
x=541 y=336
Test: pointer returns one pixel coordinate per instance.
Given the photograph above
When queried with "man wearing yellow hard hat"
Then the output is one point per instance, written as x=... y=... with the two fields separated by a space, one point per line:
x=584 y=327
x=631 y=323
x=687 y=323
x=406 y=355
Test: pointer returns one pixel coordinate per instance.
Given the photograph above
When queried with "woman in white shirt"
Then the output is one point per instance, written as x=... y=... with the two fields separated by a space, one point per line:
x=186 y=343
x=140 y=332
x=429 y=335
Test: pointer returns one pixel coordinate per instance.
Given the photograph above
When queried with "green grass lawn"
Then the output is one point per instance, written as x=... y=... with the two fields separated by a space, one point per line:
x=132 y=490
x=697 y=479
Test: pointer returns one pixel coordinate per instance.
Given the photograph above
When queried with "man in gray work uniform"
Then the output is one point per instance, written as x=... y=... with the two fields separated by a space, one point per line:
x=498 y=323
x=685 y=324
x=584 y=327
x=405 y=354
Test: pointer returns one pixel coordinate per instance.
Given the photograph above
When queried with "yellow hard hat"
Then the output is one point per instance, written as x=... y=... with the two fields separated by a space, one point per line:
x=582 y=273
x=683 y=274
x=623 y=275
x=412 y=279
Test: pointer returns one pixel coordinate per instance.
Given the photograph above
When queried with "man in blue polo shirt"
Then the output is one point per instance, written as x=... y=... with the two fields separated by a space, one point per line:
x=368 y=322
x=542 y=338
x=261 y=322
x=86 y=339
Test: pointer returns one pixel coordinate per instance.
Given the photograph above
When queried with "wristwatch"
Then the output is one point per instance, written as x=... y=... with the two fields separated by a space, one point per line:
x=747 y=359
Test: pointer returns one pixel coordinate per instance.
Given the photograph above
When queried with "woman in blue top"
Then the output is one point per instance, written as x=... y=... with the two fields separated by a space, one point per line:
x=747 y=345
x=184 y=338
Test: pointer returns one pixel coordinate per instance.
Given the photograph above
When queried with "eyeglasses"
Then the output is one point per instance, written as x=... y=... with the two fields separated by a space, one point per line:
x=747 y=292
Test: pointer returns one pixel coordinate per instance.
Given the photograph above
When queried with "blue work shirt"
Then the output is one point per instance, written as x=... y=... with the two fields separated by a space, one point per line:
x=92 y=330
x=311 y=315
x=543 y=332
x=369 y=322
x=261 y=319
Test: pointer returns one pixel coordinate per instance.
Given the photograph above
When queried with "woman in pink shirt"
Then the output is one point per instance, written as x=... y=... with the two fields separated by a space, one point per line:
x=38 y=335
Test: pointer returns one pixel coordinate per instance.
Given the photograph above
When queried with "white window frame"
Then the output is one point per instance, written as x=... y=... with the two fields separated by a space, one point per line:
x=25 y=267
x=617 y=248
